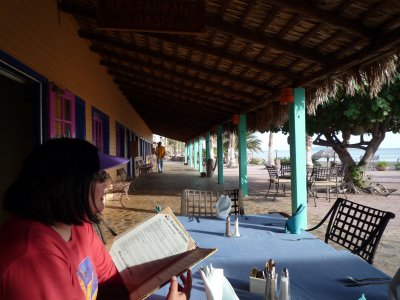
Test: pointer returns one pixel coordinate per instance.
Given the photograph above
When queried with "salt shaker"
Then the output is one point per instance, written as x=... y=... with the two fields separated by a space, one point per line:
x=284 y=293
x=237 y=233
x=228 y=227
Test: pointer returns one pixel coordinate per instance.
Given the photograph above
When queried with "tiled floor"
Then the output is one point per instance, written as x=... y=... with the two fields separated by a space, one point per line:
x=165 y=189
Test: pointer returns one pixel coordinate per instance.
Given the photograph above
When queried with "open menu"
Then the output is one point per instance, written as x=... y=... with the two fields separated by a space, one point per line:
x=150 y=253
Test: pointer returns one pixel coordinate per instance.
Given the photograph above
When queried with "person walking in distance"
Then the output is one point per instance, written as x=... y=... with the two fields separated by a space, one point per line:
x=160 y=153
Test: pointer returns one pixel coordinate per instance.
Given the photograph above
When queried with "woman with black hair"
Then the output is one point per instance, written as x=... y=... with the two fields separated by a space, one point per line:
x=49 y=249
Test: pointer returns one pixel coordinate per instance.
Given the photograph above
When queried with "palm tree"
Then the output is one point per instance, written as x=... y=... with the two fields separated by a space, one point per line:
x=231 y=145
x=270 y=148
x=309 y=142
x=253 y=143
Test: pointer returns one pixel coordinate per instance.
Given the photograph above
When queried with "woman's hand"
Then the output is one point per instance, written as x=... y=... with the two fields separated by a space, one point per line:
x=177 y=292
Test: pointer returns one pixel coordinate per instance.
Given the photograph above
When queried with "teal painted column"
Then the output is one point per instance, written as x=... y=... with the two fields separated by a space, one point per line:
x=200 y=154
x=191 y=153
x=297 y=131
x=220 y=152
x=207 y=146
x=243 y=155
x=186 y=153
x=195 y=156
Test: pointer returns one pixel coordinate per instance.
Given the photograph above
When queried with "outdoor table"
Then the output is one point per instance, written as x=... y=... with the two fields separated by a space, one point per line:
x=317 y=270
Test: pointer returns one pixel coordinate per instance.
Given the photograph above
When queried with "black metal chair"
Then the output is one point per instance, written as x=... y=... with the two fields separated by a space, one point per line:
x=99 y=230
x=286 y=171
x=202 y=203
x=112 y=188
x=276 y=179
x=124 y=177
x=237 y=203
x=322 y=177
x=356 y=227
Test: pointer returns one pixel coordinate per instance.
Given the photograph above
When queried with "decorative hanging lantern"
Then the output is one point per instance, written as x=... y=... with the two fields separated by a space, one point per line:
x=287 y=96
x=235 y=119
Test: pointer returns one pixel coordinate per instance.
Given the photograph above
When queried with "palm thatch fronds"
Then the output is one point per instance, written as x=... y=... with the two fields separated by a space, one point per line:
x=375 y=75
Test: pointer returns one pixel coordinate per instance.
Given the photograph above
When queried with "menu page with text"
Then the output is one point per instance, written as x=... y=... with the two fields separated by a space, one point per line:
x=150 y=253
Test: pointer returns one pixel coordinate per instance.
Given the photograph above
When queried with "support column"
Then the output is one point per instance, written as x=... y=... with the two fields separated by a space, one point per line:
x=207 y=146
x=191 y=153
x=297 y=131
x=186 y=153
x=195 y=156
x=220 y=152
x=243 y=155
x=200 y=154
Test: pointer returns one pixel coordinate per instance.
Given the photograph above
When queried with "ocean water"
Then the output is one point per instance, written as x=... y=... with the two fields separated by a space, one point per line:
x=386 y=154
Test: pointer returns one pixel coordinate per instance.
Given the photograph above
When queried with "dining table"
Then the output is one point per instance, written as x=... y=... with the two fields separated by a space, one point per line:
x=316 y=269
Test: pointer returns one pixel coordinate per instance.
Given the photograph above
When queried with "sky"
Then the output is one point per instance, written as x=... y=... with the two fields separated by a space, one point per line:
x=280 y=141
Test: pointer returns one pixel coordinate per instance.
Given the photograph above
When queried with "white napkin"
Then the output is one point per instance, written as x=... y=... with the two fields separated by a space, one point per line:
x=394 y=287
x=217 y=286
x=223 y=207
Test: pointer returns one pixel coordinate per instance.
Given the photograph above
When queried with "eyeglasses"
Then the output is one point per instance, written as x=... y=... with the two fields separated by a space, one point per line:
x=100 y=176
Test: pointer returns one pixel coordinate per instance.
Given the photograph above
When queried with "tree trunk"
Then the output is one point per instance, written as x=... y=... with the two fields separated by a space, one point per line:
x=309 y=142
x=232 y=162
x=175 y=151
x=370 y=148
x=212 y=147
x=270 y=148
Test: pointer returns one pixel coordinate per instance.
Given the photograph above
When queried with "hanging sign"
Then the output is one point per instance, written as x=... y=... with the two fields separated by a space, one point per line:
x=174 y=16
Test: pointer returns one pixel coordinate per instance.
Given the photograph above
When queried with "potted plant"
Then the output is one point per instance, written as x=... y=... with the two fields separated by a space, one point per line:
x=382 y=165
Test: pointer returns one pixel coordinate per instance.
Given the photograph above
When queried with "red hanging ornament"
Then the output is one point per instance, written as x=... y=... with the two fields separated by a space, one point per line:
x=287 y=96
x=235 y=119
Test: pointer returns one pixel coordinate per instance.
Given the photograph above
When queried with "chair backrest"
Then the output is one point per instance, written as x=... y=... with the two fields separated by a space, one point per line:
x=237 y=204
x=338 y=171
x=322 y=174
x=198 y=203
x=273 y=172
x=121 y=172
x=285 y=169
x=202 y=203
x=99 y=230
x=356 y=227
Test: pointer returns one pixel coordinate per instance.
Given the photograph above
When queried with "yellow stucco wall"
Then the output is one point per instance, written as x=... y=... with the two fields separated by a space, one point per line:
x=40 y=36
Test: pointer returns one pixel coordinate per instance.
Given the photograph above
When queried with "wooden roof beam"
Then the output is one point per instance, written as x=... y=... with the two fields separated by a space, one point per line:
x=378 y=49
x=221 y=52
x=307 y=8
x=179 y=89
x=190 y=91
x=183 y=77
x=68 y=8
x=181 y=95
x=128 y=46
x=263 y=39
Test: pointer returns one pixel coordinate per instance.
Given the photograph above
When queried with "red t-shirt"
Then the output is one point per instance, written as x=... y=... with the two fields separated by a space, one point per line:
x=36 y=263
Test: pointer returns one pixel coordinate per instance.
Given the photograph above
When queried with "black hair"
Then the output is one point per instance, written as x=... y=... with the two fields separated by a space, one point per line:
x=54 y=183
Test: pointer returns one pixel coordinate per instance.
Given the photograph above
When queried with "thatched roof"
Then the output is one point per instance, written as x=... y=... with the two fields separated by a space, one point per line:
x=183 y=85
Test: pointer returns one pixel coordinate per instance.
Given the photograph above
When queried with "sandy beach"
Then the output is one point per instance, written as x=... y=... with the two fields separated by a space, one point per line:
x=165 y=190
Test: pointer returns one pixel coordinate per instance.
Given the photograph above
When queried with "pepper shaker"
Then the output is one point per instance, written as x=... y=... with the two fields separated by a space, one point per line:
x=228 y=227
x=270 y=286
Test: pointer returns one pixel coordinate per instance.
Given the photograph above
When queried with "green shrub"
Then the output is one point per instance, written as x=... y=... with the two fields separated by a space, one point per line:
x=285 y=160
x=397 y=165
x=255 y=161
x=382 y=163
x=357 y=174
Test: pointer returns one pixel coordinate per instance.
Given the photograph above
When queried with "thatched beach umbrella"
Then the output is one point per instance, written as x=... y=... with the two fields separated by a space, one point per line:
x=327 y=153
